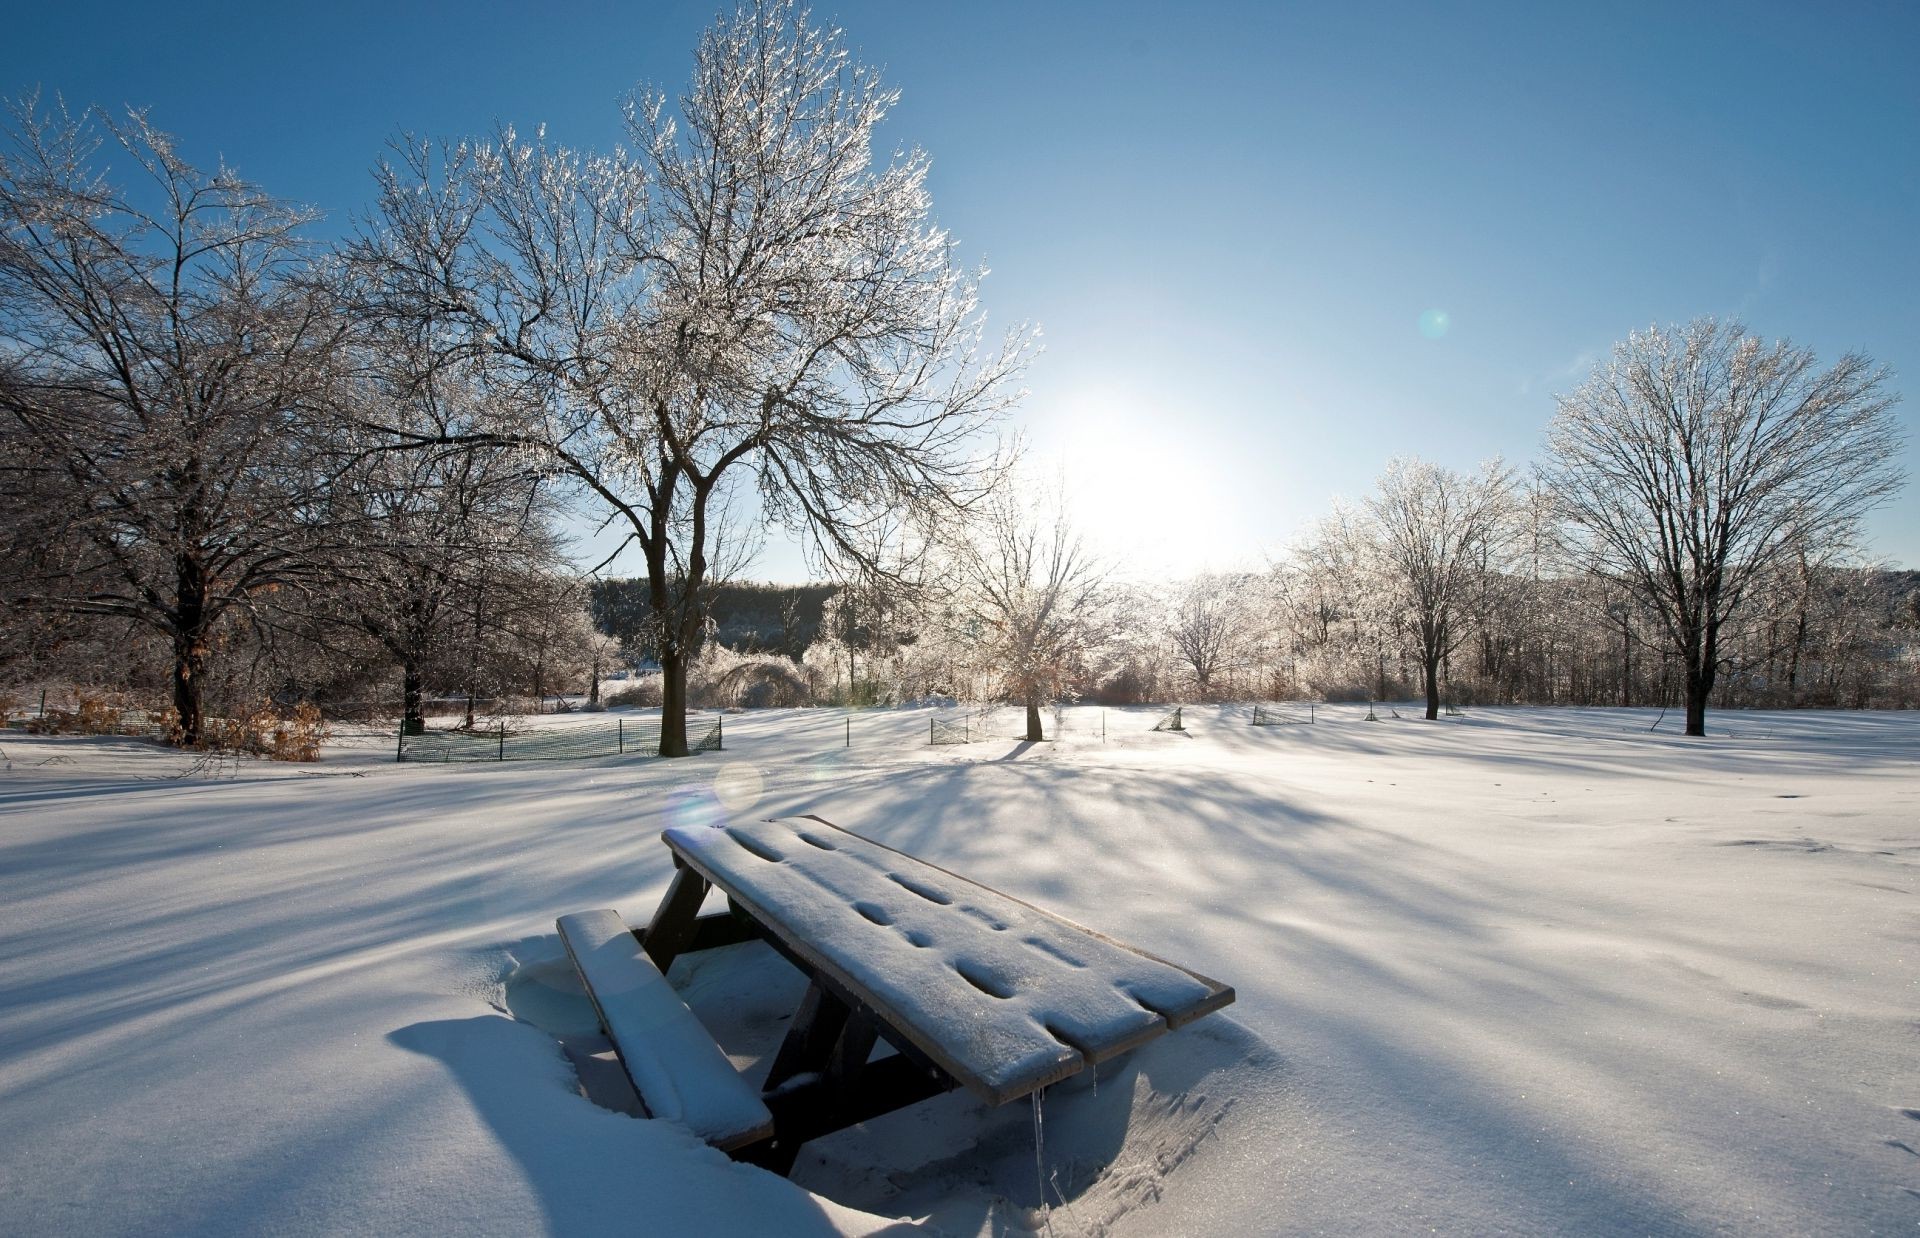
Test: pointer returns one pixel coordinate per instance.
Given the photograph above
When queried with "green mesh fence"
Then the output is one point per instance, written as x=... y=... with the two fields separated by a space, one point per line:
x=1282 y=715
x=942 y=732
x=577 y=743
x=1171 y=722
x=131 y=722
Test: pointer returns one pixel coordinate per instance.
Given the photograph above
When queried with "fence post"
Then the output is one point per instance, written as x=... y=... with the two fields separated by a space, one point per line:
x=622 y=724
x=929 y=729
x=503 y=739
x=849 y=730
x=400 y=742
x=43 y=702
x=719 y=733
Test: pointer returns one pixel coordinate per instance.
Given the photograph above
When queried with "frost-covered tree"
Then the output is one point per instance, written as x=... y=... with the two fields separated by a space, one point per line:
x=1024 y=583
x=742 y=301
x=167 y=370
x=1432 y=530
x=433 y=525
x=867 y=620
x=1210 y=627
x=1339 y=604
x=1696 y=457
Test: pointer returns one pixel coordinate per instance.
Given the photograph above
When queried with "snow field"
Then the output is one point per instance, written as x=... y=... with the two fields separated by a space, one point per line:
x=1524 y=971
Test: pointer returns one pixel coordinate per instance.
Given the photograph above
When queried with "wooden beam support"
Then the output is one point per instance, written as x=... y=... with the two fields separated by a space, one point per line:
x=813 y=1106
x=711 y=932
x=672 y=929
x=852 y=1047
x=812 y=1035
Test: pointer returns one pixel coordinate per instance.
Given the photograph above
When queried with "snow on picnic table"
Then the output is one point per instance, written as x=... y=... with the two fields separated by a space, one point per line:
x=1525 y=971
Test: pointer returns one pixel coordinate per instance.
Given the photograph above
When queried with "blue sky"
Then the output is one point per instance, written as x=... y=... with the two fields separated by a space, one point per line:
x=1229 y=220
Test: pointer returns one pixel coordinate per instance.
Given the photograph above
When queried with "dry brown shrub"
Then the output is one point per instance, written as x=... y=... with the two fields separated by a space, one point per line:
x=295 y=735
x=644 y=694
x=298 y=735
x=98 y=713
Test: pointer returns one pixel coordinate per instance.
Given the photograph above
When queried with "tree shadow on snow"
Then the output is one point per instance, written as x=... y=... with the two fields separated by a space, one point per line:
x=598 y=1172
x=1085 y=1153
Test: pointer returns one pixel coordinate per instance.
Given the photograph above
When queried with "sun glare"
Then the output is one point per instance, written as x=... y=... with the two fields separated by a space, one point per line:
x=1136 y=485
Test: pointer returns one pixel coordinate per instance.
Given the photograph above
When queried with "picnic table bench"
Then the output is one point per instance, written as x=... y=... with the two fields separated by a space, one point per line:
x=970 y=987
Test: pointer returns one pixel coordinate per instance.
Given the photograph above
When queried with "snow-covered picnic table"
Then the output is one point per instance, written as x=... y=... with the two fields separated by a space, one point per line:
x=970 y=986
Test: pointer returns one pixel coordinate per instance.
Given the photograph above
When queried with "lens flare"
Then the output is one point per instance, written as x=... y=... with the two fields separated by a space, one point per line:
x=693 y=808
x=738 y=787
x=1434 y=323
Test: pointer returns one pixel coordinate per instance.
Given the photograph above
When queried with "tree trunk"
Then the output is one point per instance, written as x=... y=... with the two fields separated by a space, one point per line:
x=1034 y=733
x=1799 y=644
x=473 y=654
x=189 y=664
x=1699 y=688
x=1432 y=669
x=673 y=701
x=413 y=719
x=1626 y=664
x=593 y=684
x=189 y=648
x=1702 y=667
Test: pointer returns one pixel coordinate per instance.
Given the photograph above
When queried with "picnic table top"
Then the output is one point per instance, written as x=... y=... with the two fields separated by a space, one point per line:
x=1005 y=997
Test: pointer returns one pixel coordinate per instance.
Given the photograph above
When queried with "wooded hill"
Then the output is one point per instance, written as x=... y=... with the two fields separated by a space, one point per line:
x=747 y=616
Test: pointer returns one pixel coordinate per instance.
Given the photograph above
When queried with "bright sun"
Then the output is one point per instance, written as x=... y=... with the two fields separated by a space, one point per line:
x=1136 y=486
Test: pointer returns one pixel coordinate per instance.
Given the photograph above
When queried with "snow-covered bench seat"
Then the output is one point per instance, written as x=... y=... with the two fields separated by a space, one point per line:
x=679 y=1073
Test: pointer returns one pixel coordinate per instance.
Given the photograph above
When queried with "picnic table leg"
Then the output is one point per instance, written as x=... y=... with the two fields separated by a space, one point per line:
x=810 y=1037
x=851 y=1048
x=671 y=929
x=827 y=1038
x=821 y=1081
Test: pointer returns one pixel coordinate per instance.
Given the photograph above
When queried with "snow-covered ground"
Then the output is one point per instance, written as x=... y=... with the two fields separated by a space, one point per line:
x=1525 y=971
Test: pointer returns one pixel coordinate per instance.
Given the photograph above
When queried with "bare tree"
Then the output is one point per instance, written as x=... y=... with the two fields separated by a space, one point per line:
x=433 y=525
x=1027 y=587
x=1698 y=456
x=1208 y=627
x=166 y=366
x=1338 y=602
x=1432 y=527
x=745 y=303
x=871 y=616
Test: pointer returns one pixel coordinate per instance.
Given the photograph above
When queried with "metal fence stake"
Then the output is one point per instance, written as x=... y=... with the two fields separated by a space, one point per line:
x=503 y=741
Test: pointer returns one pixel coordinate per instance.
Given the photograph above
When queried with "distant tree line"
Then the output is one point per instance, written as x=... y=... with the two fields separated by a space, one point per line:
x=237 y=464
x=1688 y=540
x=266 y=465
x=1840 y=637
x=743 y=615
